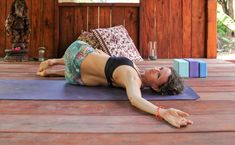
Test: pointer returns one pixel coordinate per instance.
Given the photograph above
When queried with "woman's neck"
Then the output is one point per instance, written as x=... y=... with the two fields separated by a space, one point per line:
x=143 y=79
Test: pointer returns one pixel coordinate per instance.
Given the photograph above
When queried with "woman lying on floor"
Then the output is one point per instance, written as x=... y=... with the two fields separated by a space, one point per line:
x=86 y=66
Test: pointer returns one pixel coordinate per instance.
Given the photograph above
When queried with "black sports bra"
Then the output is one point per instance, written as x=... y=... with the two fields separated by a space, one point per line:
x=112 y=64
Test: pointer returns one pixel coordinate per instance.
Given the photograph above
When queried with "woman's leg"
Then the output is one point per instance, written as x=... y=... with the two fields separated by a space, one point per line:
x=49 y=63
x=45 y=71
x=59 y=61
x=51 y=73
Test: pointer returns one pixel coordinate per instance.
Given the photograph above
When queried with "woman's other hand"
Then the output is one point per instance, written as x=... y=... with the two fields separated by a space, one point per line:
x=175 y=117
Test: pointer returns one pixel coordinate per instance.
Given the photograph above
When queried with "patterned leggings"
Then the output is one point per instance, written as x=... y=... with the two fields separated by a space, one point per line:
x=73 y=57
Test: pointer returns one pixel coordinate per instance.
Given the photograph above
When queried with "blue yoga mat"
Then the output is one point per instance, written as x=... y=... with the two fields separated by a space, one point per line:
x=60 y=90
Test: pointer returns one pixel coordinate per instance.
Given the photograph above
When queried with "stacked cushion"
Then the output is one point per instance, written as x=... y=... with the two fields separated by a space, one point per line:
x=114 y=41
x=90 y=38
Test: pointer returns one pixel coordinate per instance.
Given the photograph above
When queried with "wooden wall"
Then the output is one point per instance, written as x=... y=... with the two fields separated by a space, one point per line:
x=183 y=28
x=74 y=18
x=41 y=14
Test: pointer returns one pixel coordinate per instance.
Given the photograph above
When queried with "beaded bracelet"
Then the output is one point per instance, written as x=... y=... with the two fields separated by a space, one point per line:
x=158 y=113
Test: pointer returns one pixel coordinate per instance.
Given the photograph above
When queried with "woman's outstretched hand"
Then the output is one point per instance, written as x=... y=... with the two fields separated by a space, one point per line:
x=175 y=117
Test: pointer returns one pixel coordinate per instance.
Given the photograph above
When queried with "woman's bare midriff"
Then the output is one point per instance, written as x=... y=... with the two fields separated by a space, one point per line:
x=91 y=67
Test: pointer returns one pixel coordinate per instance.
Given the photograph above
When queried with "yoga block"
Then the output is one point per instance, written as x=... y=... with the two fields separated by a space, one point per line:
x=193 y=68
x=202 y=69
x=182 y=67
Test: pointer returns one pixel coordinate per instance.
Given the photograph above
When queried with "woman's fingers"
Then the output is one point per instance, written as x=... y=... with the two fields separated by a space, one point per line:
x=183 y=114
x=175 y=124
x=189 y=121
x=178 y=122
x=181 y=122
x=177 y=118
x=184 y=122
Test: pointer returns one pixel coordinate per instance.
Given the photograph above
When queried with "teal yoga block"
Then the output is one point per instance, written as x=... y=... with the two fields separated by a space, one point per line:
x=182 y=67
x=202 y=69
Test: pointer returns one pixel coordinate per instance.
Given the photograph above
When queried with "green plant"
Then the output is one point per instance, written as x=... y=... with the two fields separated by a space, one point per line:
x=221 y=29
x=224 y=24
x=224 y=19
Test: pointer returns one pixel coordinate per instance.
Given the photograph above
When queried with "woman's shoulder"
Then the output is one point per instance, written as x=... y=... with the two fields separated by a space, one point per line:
x=127 y=74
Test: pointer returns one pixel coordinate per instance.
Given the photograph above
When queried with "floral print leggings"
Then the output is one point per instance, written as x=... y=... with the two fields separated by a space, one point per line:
x=73 y=57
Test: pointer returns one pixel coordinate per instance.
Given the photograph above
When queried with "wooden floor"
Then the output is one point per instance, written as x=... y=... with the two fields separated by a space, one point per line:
x=117 y=122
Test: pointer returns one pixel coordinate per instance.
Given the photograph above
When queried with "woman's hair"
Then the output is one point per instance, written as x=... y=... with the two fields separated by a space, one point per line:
x=173 y=86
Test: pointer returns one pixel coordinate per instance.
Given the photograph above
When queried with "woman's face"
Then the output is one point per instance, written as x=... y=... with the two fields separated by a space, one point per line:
x=157 y=77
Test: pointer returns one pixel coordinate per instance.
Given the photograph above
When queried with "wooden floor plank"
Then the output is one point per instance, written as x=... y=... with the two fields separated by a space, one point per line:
x=111 y=124
x=32 y=76
x=214 y=89
x=217 y=96
x=221 y=138
x=117 y=122
x=107 y=108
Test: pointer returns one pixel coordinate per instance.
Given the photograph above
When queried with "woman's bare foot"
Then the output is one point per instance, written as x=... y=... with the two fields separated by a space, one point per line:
x=42 y=73
x=45 y=64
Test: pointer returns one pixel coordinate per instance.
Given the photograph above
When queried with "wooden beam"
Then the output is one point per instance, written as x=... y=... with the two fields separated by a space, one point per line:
x=211 y=29
x=218 y=138
x=2 y=27
x=198 y=29
x=111 y=124
x=72 y=4
x=187 y=29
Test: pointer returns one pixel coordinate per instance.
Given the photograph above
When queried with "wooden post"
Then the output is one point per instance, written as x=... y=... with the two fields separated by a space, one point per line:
x=2 y=26
x=56 y=32
x=211 y=29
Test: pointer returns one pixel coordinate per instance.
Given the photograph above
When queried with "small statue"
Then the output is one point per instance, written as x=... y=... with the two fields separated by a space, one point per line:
x=18 y=25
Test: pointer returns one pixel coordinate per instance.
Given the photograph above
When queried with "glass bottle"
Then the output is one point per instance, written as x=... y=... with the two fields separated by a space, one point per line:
x=152 y=46
x=41 y=53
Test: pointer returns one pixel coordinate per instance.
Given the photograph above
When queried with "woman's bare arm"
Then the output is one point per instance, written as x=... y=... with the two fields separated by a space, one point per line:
x=135 y=98
x=173 y=116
